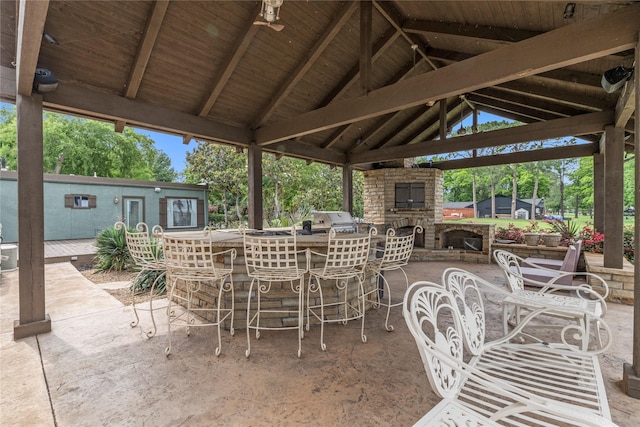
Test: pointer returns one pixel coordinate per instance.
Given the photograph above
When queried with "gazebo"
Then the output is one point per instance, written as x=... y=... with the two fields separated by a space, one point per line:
x=356 y=84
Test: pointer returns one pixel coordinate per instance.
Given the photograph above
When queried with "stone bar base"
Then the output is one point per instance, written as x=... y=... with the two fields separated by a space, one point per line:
x=30 y=329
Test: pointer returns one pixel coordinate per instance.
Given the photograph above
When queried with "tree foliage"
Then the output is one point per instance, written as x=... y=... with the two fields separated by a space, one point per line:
x=78 y=146
x=291 y=187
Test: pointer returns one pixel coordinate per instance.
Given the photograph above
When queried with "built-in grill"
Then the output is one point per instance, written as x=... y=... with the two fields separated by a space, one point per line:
x=342 y=222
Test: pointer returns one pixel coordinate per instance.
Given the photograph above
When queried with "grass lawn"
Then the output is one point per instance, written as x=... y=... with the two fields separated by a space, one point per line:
x=543 y=226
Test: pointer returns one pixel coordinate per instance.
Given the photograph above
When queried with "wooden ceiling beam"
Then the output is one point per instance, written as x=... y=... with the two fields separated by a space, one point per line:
x=337 y=23
x=556 y=95
x=571 y=44
x=145 y=47
x=391 y=14
x=523 y=111
x=337 y=136
x=352 y=76
x=534 y=105
x=572 y=126
x=303 y=150
x=236 y=52
x=31 y=18
x=103 y=106
x=555 y=153
x=495 y=34
x=626 y=103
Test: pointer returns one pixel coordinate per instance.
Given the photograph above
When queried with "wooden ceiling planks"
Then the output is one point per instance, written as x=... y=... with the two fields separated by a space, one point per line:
x=271 y=83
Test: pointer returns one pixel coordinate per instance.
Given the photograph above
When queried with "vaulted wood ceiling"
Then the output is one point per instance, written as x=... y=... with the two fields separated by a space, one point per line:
x=327 y=88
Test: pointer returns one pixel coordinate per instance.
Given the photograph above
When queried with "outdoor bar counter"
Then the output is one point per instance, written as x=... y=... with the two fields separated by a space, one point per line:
x=281 y=296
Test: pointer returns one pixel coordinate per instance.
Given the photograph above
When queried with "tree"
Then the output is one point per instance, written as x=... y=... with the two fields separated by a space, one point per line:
x=223 y=169
x=78 y=146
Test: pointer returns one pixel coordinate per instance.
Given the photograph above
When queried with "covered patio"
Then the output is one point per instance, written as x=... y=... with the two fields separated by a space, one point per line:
x=93 y=369
x=359 y=85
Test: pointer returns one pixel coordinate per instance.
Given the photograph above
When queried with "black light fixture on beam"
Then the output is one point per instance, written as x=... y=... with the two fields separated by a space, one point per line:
x=44 y=81
x=615 y=78
x=569 y=10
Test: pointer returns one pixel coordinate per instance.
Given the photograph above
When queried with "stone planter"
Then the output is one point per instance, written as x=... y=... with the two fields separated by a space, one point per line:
x=551 y=239
x=531 y=239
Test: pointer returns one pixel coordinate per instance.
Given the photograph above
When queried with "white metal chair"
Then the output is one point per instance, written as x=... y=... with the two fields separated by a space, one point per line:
x=344 y=265
x=192 y=262
x=395 y=255
x=565 y=298
x=273 y=263
x=146 y=252
x=497 y=383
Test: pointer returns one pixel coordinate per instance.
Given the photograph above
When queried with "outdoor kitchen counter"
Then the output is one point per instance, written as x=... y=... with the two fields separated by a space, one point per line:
x=284 y=297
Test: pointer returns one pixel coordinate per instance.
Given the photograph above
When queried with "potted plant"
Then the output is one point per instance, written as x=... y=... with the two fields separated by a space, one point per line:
x=531 y=239
x=551 y=239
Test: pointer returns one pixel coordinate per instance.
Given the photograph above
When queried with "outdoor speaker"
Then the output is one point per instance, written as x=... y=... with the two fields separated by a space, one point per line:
x=615 y=78
x=44 y=81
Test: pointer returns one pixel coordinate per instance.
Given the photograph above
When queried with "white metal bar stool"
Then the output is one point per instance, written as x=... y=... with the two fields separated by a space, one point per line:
x=193 y=262
x=146 y=252
x=395 y=255
x=344 y=264
x=273 y=263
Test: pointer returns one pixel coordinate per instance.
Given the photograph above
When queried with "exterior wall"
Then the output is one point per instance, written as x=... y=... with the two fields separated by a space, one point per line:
x=379 y=199
x=503 y=206
x=63 y=223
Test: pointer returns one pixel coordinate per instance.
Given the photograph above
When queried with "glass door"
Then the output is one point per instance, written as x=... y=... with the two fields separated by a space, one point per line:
x=133 y=211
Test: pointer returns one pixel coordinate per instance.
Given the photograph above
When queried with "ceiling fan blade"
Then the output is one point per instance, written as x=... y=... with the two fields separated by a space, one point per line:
x=260 y=23
x=277 y=27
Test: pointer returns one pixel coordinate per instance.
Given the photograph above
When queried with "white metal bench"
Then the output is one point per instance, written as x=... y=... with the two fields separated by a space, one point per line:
x=499 y=382
x=565 y=298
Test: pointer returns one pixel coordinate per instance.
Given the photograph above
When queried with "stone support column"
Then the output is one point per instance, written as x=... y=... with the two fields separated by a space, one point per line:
x=33 y=319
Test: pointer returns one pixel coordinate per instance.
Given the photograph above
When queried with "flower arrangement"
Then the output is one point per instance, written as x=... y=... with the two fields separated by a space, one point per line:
x=592 y=241
x=511 y=232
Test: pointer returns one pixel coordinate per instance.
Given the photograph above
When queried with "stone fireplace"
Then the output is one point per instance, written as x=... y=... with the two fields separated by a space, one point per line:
x=404 y=197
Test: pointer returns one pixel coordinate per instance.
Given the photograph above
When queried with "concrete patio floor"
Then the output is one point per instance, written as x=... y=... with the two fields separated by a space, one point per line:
x=93 y=369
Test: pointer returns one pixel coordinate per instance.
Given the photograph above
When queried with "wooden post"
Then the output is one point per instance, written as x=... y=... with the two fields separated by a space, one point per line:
x=631 y=373
x=255 y=186
x=33 y=319
x=613 y=181
x=598 y=192
x=347 y=188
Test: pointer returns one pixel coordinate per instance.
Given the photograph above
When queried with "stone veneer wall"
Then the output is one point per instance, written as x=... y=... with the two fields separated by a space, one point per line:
x=379 y=200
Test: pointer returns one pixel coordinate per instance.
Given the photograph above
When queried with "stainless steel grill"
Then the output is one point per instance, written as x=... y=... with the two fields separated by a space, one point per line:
x=342 y=222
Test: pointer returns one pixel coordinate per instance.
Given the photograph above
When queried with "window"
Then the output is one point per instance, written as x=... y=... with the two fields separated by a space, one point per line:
x=182 y=213
x=410 y=195
x=79 y=201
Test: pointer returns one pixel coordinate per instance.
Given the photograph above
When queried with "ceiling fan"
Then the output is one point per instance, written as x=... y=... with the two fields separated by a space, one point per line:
x=270 y=13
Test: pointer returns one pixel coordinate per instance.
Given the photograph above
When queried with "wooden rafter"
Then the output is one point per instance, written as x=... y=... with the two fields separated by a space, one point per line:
x=626 y=103
x=354 y=73
x=498 y=35
x=338 y=21
x=572 y=44
x=564 y=152
x=342 y=130
x=31 y=19
x=391 y=14
x=572 y=126
x=366 y=30
x=145 y=47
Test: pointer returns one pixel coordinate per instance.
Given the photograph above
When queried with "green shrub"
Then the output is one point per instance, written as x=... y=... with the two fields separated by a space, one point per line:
x=629 y=243
x=145 y=280
x=112 y=253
